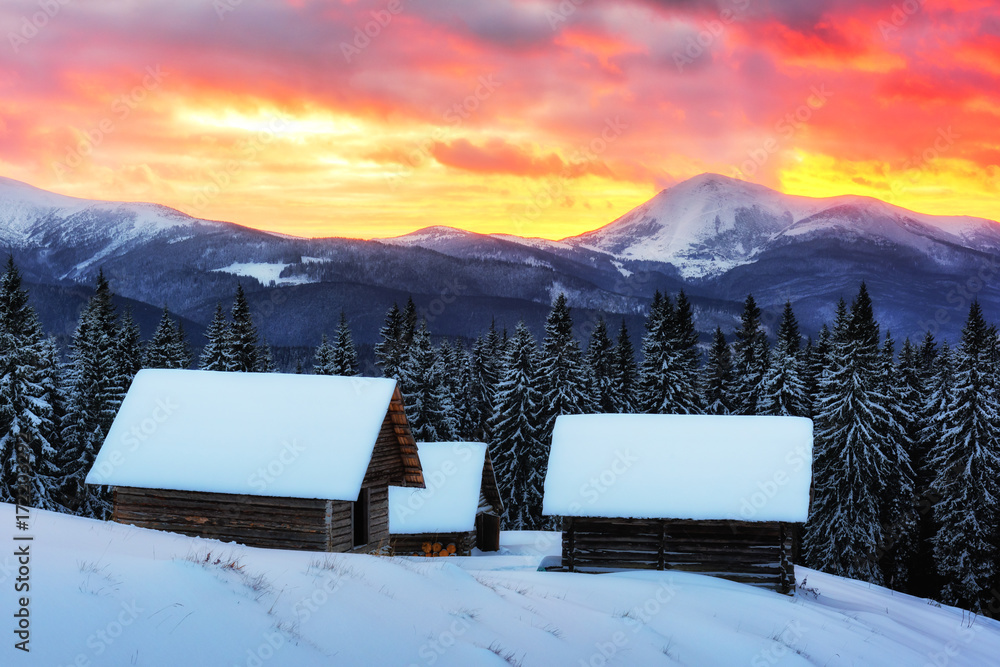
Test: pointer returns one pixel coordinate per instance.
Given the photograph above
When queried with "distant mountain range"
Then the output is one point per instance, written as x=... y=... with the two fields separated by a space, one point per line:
x=716 y=237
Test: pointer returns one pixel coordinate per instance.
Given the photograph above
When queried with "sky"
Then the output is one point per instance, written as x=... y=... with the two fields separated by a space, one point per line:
x=547 y=118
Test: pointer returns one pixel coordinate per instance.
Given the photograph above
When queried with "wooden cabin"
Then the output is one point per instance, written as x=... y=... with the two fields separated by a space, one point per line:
x=722 y=496
x=458 y=510
x=263 y=459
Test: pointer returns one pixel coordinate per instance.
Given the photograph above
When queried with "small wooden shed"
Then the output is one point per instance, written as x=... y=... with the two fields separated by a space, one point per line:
x=263 y=459
x=716 y=495
x=459 y=509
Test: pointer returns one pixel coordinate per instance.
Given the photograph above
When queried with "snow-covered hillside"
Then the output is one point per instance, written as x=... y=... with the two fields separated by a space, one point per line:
x=105 y=594
x=35 y=218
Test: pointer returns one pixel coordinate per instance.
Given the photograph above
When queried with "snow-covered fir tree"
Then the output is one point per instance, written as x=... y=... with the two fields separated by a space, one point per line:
x=449 y=372
x=182 y=347
x=783 y=391
x=323 y=358
x=424 y=393
x=466 y=410
x=216 y=355
x=814 y=361
x=898 y=497
x=486 y=361
x=626 y=372
x=265 y=359
x=244 y=342
x=391 y=349
x=128 y=349
x=669 y=372
x=518 y=453
x=914 y=386
x=966 y=460
x=562 y=375
x=345 y=356
x=603 y=380
x=97 y=387
x=54 y=395
x=844 y=532
x=409 y=322
x=750 y=359
x=718 y=383
x=166 y=348
x=27 y=451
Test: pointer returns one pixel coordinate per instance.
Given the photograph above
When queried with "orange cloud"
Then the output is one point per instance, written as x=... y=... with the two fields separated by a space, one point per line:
x=310 y=141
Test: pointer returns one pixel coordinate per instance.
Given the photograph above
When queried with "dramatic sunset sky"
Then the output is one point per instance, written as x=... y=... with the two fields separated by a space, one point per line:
x=532 y=117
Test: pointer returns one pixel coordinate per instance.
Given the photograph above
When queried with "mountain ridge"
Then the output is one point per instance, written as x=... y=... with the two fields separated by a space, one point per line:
x=715 y=237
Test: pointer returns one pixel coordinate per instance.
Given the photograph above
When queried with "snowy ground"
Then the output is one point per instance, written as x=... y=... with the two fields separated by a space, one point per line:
x=105 y=594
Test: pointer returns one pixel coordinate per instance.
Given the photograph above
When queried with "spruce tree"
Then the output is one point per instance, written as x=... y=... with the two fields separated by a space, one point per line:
x=265 y=359
x=488 y=355
x=391 y=350
x=684 y=349
x=26 y=450
x=51 y=430
x=182 y=347
x=814 y=366
x=128 y=349
x=750 y=359
x=844 y=532
x=423 y=391
x=244 y=342
x=562 y=374
x=898 y=496
x=967 y=481
x=345 y=356
x=783 y=391
x=96 y=392
x=409 y=322
x=466 y=410
x=626 y=372
x=165 y=349
x=518 y=452
x=913 y=388
x=718 y=385
x=216 y=355
x=669 y=371
x=602 y=370
x=323 y=358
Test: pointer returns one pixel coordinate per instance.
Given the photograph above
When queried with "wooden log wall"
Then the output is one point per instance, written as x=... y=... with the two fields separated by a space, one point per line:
x=341 y=529
x=255 y=521
x=752 y=553
x=414 y=545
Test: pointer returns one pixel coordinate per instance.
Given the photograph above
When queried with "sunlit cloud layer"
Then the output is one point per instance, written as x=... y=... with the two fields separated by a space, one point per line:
x=375 y=118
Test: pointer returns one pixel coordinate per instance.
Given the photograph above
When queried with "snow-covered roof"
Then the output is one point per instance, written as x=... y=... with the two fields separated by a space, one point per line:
x=680 y=467
x=453 y=474
x=267 y=434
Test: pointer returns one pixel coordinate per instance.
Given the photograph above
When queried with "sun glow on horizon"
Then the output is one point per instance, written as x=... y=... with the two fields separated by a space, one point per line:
x=498 y=122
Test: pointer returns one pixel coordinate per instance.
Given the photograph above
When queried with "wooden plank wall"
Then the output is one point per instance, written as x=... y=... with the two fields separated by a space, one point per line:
x=412 y=545
x=342 y=531
x=752 y=553
x=255 y=521
x=258 y=521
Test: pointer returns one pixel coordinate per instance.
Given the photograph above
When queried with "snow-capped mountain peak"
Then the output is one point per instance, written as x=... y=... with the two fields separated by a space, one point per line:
x=710 y=224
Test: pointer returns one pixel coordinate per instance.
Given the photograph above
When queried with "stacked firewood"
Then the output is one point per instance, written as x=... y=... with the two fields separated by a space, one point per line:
x=437 y=549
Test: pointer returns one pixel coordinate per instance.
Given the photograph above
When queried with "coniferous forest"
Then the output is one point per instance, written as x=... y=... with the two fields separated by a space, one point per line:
x=906 y=469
